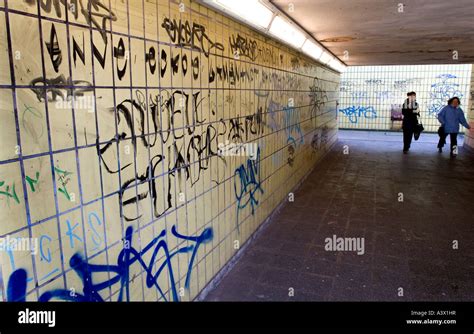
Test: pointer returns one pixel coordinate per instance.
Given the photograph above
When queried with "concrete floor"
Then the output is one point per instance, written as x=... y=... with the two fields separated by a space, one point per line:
x=408 y=244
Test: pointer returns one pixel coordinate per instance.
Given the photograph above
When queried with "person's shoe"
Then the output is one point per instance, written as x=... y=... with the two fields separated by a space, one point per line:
x=440 y=150
x=405 y=151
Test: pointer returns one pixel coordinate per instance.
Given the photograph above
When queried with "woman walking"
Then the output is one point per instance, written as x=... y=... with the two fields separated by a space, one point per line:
x=450 y=117
x=410 y=113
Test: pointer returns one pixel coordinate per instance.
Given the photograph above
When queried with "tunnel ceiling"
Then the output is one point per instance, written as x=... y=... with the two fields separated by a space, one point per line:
x=375 y=33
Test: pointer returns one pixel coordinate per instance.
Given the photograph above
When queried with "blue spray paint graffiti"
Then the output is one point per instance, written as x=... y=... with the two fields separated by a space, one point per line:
x=354 y=113
x=441 y=92
x=128 y=256
x=96 y=238
x=45 y=257
x=247 y=184
x=291 y=121
x=70 y=233
x=384 y=95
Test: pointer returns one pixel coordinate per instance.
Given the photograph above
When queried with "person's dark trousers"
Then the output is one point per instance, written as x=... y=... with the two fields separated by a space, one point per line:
x=453 y=140
x=453 y=137
x=407 y=137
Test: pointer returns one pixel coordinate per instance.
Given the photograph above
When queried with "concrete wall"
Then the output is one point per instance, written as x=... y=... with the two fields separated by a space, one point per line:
x=370 y=93
x=134 y=164
x=469 y=136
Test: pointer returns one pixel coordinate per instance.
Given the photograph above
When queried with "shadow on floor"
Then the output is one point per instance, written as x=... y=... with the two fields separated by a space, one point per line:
x=408 y=245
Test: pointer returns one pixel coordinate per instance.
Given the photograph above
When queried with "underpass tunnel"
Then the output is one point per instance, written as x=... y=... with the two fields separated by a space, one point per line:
x=250 y=150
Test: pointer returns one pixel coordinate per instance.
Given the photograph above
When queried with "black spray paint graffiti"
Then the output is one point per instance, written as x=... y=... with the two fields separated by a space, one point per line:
x=94 y=12
x=150 y=58
x=163 y=110
x=295 y=63
x=318 y=97
x=194 y=36
x=77 y=51
x=53 y=49
x=121 y=54
x=55 y=52
x=178 y=62
x=54 y=89
x=242 y=128
x=172 y=156
x=232 y=73
x=266 y=55
x=183 y=160
x=180 y=160
x=243 y=47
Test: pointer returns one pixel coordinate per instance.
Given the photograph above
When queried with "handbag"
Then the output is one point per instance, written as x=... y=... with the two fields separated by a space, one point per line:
x=418 y=130
x=442 y=137
x=441 y=131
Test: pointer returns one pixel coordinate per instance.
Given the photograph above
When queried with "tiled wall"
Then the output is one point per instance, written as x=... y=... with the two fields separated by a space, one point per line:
x=127 y=185
x=370 y=93
x=469 y=135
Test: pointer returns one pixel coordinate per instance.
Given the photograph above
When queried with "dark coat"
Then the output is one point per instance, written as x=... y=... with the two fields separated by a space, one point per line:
x=410 y=113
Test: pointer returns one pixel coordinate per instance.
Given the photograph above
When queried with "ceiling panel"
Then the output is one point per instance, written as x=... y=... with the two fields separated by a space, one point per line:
x=382 y=32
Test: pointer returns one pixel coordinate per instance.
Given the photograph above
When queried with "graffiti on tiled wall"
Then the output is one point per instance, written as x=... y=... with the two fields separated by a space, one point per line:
x=142 y=143
x=371 y=96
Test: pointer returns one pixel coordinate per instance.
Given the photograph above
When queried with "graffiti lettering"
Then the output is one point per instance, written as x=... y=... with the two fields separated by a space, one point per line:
x=194 y=36
x=243 y=46
x=247 y=184
x=354 y=113
x=121 y=271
